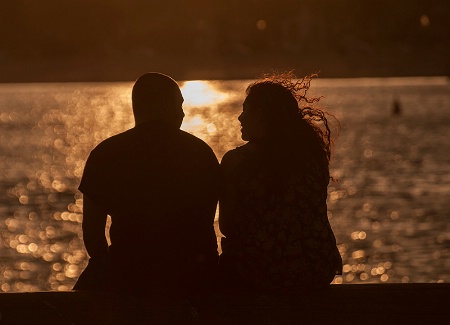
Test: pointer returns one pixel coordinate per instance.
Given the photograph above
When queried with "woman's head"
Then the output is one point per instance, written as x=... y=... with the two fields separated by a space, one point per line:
x=277 y=109
x=267 y=110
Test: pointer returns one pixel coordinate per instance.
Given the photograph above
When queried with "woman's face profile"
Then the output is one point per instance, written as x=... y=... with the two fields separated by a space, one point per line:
x=253 y=125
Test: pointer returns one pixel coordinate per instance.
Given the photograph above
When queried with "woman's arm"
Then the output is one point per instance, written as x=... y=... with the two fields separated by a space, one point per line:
x=228 y=191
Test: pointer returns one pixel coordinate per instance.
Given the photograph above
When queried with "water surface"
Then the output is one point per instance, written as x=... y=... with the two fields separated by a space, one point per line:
x=389 y=207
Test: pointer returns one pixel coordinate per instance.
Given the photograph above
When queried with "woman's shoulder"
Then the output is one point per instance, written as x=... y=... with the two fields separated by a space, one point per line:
x=236 y=157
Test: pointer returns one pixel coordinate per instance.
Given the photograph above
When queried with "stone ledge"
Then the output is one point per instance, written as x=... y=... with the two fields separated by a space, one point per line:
x=336 y=304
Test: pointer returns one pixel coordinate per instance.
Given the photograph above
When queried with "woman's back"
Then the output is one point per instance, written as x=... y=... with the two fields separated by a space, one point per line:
x=275 y=220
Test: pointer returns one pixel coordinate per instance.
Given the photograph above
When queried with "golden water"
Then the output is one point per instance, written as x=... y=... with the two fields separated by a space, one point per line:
x=389 y=209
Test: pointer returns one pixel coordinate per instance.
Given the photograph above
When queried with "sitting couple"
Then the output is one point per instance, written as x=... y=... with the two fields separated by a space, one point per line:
x=161 y=185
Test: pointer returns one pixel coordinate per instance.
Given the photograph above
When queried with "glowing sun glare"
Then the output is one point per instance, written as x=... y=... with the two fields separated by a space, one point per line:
x=201 y=93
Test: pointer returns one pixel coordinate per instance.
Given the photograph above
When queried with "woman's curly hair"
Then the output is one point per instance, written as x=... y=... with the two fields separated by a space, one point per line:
x=280 y=91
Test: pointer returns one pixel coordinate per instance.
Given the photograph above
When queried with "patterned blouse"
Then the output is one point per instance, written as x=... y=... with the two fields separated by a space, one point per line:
x=273 y=214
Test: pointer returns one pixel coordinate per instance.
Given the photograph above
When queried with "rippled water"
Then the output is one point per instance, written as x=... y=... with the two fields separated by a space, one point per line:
x=389 y=209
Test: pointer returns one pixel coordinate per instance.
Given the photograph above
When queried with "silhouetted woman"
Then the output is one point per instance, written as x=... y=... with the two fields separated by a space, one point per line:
x=273 y=209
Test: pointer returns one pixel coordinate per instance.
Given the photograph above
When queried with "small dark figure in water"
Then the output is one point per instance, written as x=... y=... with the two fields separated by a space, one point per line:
x=273 y=209
x=160 y=186
x=396 y=107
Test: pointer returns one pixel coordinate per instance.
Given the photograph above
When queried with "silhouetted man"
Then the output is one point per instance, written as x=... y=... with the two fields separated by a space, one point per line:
x=160 y=186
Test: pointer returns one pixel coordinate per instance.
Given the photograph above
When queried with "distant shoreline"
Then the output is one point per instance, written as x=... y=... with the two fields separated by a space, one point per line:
x=126 y=69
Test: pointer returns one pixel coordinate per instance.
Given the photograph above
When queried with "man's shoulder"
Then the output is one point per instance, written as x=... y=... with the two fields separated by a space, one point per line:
x=193 y=140
x=190 y=137
x=179 y=140
x=112 y=143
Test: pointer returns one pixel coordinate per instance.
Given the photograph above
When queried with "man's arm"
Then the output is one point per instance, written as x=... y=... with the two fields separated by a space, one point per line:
x=94 y=222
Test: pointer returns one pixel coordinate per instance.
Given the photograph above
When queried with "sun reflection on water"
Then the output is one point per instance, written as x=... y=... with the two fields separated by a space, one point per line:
x=208 y=109
x=201 y=93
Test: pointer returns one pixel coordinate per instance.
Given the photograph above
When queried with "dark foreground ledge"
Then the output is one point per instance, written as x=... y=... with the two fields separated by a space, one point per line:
x=338 y=304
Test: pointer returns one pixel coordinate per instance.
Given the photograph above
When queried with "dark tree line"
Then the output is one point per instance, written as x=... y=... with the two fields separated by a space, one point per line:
x=224 y=29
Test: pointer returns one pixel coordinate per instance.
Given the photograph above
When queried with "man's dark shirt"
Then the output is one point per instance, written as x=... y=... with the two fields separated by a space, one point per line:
x=160 y=187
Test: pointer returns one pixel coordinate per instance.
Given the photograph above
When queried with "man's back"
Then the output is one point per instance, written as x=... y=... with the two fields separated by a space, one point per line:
x=160 y=186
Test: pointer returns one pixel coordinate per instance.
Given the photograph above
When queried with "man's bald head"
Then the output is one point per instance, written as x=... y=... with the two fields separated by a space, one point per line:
x=157 y=97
